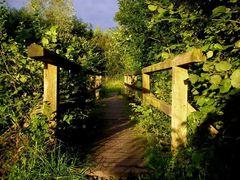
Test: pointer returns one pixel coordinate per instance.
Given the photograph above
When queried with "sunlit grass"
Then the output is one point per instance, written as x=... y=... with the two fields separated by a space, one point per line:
x=37 y=164
x=113 y=85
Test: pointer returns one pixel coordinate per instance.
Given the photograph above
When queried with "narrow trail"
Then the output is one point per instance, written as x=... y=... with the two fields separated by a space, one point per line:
x=119 y=152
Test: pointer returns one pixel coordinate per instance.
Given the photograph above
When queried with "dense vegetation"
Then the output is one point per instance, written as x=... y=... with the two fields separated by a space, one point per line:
x=28 y=148
x=152 y=31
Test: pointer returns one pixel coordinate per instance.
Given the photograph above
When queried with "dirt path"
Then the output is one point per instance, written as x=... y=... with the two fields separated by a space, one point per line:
x=119 y=153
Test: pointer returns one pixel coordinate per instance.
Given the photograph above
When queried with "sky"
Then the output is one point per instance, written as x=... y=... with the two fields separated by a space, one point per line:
x=96 y=12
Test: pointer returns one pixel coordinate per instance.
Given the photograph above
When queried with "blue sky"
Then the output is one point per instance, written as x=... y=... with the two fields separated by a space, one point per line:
x=96 y=12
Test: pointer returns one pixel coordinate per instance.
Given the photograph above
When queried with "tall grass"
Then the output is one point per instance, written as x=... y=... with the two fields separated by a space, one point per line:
x=37 y=163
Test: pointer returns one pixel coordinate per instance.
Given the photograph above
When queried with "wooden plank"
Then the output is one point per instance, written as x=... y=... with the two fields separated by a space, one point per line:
x=145 y=85
x=195 y=55
x=38 y=53
x=179 y=108
x=51 y=91
x=159 y=104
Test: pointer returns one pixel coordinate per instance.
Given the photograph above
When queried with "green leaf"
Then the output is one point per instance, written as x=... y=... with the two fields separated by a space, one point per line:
x=217 y=46
x=216 y=79
x=223 y=66
x=233 y=1
x=225 y=85
x=209 y=54
x=208 y=66
x=235 y=78
x=237 y=44
x=218 y=11
x=201 y=100
x=53 y=29
x=23 y=79
x=24 y=61
x=193 y=78
x=152 y=7
x=205 y=47
x=45 y=41
x=161 y=11
x=165 y=55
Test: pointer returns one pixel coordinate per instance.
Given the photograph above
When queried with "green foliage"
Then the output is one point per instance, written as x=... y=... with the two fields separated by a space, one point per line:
x=25 y=136
x=153 y=125
x=37 y=164
x=158 y=30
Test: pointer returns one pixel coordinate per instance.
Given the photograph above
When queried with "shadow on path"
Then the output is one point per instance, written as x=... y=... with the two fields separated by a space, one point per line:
x=117 y=152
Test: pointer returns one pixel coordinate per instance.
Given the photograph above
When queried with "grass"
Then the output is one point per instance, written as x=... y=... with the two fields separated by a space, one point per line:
x=37 y=163
x=113 y=84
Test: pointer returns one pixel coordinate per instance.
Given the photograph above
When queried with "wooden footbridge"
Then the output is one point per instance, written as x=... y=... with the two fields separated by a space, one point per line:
x=120 y=153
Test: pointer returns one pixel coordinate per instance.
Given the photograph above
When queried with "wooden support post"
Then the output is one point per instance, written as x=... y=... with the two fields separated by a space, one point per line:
x=129 y=80
x=145 y=86
x=125 y=78
x=179 y=107
x=51 y=80
x=134 y=77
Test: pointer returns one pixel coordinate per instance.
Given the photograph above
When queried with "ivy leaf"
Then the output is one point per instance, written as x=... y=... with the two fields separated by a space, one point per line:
x=152 y=7
x=218 y=11
x=209 y=54
x=225 y=85
x=217 y=46
x=235 y=78
x=223 y=66
x=193 y=78
x=216 y=79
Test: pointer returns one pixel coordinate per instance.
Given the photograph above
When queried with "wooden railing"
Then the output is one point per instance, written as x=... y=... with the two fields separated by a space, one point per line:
x=179 y=109
x=52 y=63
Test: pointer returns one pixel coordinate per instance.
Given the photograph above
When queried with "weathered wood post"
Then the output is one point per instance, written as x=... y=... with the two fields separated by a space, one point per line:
x=51 y=89
x=52 y=62
x=179 y=107
x=51 y=84
x=98 y=82
x=145 y=86
x=134 y=84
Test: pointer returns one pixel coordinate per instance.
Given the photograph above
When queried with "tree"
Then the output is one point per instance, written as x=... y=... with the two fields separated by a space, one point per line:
x=56 y=12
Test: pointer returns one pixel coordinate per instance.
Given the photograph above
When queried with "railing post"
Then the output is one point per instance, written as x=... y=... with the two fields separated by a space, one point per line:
x=98 y=82
x=51 y=91
x=179 y=107
x=146 y=86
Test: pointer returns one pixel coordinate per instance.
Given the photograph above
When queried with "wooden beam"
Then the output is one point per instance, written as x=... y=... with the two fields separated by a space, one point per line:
x=146 y=86
x=159 y=104
x=51 y=90
x=38 y=53
x=179 y=107
x=193 y=56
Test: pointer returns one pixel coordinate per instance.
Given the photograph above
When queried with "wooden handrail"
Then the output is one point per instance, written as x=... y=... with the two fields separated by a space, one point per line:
x=193 y=56
x=52 y=61
x=179 y=108
x=39 y=53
